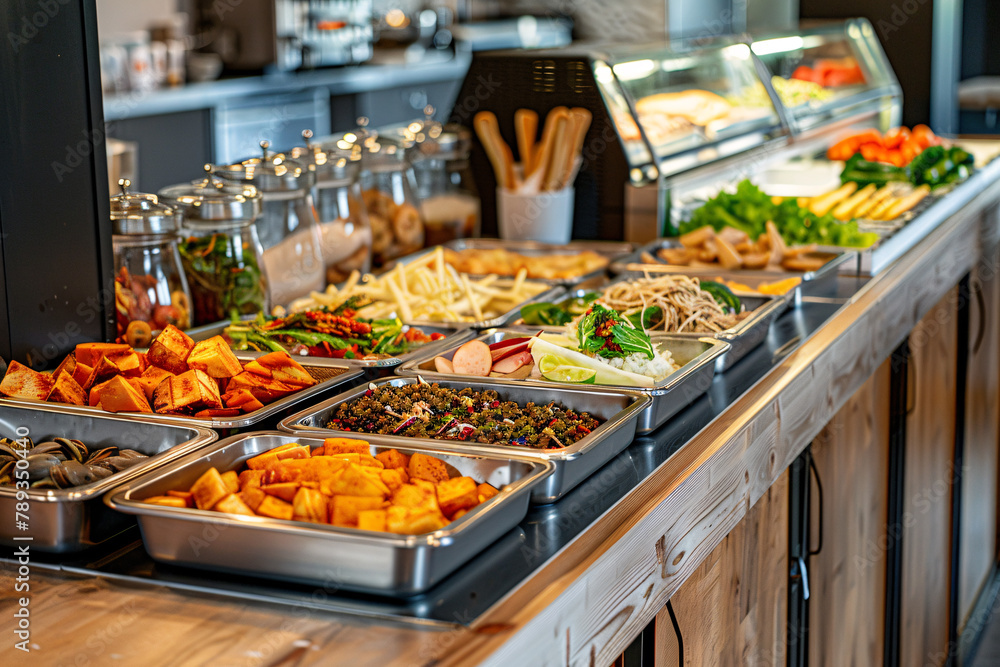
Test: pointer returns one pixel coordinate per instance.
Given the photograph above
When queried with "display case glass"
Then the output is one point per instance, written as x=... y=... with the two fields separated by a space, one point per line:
x=690 y=105
x=828 y=72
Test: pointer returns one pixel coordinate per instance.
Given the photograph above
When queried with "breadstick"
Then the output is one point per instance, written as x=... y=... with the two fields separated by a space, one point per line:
x=543 y=153
x=484 y=123
x=561 y=147
x=526 y=128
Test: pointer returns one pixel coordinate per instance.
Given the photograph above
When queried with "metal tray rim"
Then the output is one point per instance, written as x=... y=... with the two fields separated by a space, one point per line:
x=626 y=248
x=217 y=328
x=630 y=265
x=243 y=421
x=718 y=348
x=202 y=437
x=640 y=402
x=119 y=499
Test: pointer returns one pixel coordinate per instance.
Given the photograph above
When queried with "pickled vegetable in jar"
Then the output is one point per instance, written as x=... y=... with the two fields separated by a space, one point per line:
x=219 y=249
x=150 y=285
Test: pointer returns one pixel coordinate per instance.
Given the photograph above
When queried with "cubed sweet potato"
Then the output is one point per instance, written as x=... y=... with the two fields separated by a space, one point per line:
x=190 y=391
x=186 y=495
x=411 y=495
x=170 y=350
x=234 y=399
x=263 y=389
x=81 y=373
x=232 y=480
x=279 y=366
x=103 y=371
x=215 y=358
x=67 y=365
x=67 y=390
x=275 y=508
x=486 y=492
x=284 y=490
x=251 y=478
x=427 y=467
x=393 y=459
x=23 y=382
x=209 y=489
x=344 y=510
x=309 y=505
x=392 y=478
x=117 y=395
x=253 y=497
x=91 y=353
x=409 y=521
x=233 y=504
x=128 y=363
x=166 y=501
x=285 y=452
x=372 y=520
x=333 y=446
x=151 y=379
x=457 y=494
x=352 y=482
x=251 y=406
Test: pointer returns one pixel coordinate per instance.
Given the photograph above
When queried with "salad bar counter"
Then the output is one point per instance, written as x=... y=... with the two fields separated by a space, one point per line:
x=497 y=451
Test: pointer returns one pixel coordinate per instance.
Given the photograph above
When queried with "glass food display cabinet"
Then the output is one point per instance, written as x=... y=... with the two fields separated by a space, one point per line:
x=677 y=117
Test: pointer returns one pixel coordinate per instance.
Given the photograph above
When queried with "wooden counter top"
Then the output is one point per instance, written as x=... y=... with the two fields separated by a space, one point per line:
x=587 y=603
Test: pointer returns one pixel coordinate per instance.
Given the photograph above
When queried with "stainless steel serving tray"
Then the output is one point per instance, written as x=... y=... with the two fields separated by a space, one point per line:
x=618 y=408
x=64 y=520
x=373 y=368
x=743 y=337
x=499 y=321
x=326 y=555
x=822 y=282
x=696 y=358
x=612 y=250
x=325 y=372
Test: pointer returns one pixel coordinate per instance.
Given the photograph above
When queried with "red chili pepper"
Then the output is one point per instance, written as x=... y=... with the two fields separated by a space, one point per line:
x=495 y=404
x=470 y=409
x=437 y=336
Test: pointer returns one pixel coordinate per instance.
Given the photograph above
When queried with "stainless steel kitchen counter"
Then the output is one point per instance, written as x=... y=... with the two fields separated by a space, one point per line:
x=338 y=80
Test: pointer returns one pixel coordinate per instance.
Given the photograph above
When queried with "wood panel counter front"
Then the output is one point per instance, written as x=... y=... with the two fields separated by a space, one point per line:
x=588 y=602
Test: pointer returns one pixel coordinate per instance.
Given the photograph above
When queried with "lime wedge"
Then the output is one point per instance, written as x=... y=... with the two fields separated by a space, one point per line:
x=573 y=374
x=548 y=362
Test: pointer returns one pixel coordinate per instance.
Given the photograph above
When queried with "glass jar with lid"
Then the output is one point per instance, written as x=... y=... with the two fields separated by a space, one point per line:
x=219 y=248
x=446 y=188
x=288 y=228
x=150 y=289
x=344 y=229
x=388 y=188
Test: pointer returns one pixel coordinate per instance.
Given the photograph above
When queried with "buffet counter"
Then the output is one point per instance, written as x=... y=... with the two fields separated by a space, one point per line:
x=580 y=579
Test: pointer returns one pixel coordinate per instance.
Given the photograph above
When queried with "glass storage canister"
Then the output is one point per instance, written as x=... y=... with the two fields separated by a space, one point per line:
x=388 y=187
x=344 y=228
x=446 y=188
x=150 y=289
x=288 y=229
x=220 y=251
x=449 y=200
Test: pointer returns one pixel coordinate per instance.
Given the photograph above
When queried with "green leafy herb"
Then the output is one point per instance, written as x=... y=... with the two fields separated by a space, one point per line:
x=604 y=332
x=224 y=278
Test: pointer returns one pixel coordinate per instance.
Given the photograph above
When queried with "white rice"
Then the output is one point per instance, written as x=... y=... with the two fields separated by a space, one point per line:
x=657 y=368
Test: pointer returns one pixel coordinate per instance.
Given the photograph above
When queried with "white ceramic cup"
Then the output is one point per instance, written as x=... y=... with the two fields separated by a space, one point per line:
x=545 y=216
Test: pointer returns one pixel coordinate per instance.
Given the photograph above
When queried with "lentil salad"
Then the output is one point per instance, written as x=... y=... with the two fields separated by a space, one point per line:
x=423 y=410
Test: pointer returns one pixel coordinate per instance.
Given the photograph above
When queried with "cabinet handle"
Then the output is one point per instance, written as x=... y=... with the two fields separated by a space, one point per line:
x=819 y=495
x=977 y=289
x=677 y=632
